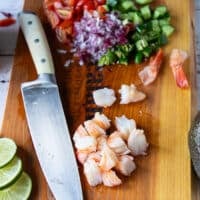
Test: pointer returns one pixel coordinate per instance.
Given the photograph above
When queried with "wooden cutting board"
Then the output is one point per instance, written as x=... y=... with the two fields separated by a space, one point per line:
x=165 y=115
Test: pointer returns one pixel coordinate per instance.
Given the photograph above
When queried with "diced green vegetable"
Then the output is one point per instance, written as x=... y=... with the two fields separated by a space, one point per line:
x=141 y=44
x=137 y=19
x=142 y=2
x=111 y=3
x=123 y=60
x=128 y=5
x=167 y=30
x=107 y=59
x=164 y=21
x=147 y=52
x=136 y=36
x=160 y=11
x=146 y=12
x=162 y=40
x=155 y=25
x=138 y=58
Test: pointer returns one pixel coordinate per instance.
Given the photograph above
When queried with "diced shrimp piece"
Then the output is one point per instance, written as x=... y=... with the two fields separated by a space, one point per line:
x=96 y=156
x=137 y=142
x=130 y=94
x=101 y=142
x=126 y=165
x=124 y=126
x=93 y=129
x=101 y=120
x=80 y=131
x=150 y=72
x=104 y=97
x=92 y=172
x=108 y=159
x=110 y=178
x=86 y=143
x=177 y=59
x=117 y=144
x=81 y=156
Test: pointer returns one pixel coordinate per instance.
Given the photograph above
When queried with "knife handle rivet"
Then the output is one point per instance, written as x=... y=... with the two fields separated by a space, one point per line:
x=43 y=60
x=29 y=22
x=36 y=40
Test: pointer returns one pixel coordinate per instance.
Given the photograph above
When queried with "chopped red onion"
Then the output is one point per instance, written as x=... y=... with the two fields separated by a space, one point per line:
x=93 y=36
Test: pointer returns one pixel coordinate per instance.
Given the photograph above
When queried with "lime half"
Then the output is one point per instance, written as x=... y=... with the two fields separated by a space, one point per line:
x=19 y=190
x=8 y=150
x=9 y=172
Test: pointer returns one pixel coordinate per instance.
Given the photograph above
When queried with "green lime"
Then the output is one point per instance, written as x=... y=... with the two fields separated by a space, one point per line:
x=8 y=150
x=9 y=172
x=19 y=190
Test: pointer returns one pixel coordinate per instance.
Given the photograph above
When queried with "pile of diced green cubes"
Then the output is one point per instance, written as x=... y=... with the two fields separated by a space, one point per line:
x=151 y=30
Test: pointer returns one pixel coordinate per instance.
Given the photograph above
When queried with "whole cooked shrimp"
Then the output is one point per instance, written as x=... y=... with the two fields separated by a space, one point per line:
x=177 y=58
x=150 y=72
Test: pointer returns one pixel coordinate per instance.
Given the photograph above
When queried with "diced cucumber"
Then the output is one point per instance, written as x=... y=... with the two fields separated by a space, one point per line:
x=107 y=59
x=160 y=11
x=138 y=57
x=123 y=60
x=142 y=2
x=155 y=25
x=136 y=36
x=167 y=30
x=146 y=12
x=162 y=40
x=111 y=3
x=152 y=36
x=141 y=44
x=164 y=21
x=128 y=5
x=147 y=52
x=137 y=19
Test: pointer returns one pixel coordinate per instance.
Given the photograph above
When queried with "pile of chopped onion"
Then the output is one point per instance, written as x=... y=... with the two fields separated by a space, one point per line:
x=93 y=36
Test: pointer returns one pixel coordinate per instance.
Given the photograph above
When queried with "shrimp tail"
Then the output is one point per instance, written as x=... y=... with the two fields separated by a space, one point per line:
x=180 y=77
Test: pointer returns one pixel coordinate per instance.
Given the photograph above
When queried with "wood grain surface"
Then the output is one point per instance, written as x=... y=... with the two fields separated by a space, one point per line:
x=165 y=115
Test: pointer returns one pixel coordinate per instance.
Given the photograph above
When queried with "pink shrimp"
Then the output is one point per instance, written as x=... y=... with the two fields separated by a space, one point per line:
x=80 y=131
x=93 y=129
x=117 y=144
x=125 y=165
x=108 y=159
x=110 y=178
x=92 y=172
x=101 y=120
x=150 y=72
x=177 y=58
x=82 y=156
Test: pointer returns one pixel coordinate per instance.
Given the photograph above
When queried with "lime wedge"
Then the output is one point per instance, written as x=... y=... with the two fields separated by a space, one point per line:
x=9 y=172
x=19 y=190
x=8 y=150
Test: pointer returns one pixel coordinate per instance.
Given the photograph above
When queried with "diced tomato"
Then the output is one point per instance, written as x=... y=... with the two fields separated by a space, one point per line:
x=66 y=23
x=100 y=2
x=49 y=4
x=101 y=10
x=71 y=2
x=53 y=18
x=89 y=5
x=7 y=21
x=65 y=12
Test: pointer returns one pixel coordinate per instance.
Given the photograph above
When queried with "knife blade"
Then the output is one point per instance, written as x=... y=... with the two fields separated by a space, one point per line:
x=45 y=116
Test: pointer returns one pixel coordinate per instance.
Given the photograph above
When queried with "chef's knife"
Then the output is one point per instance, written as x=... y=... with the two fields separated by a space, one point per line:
x=46 y=119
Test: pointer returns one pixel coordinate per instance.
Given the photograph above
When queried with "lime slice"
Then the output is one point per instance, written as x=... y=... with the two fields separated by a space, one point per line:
x=19 y=190
x=8 y=150
x=9 y=172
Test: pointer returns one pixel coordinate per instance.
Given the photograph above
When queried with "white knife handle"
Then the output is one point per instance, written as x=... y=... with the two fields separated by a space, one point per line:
x=37 y=42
